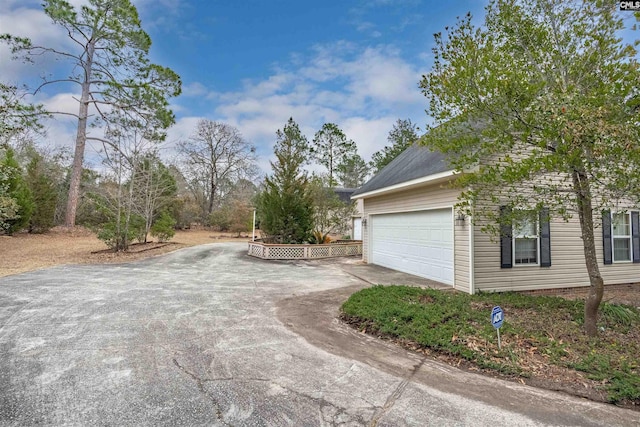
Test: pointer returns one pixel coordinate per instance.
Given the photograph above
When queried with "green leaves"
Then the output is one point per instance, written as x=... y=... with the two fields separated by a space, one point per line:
x=330 y=147
x=543 y=89
x=16 y=201
x=60 y=11
x=401 y=137
x=15 y=115
x=285 y=205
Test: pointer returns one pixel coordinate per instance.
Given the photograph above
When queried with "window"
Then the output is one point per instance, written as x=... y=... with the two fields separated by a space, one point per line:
x=525 y=242
x=621 y=235
x=528 y=241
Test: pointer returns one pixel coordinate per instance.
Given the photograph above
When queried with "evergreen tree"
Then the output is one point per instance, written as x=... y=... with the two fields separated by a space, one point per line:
x=44 y=192
x=16 y=189
x=401 y=137
x=352 y=171
x=331 y=148
x=285 y=205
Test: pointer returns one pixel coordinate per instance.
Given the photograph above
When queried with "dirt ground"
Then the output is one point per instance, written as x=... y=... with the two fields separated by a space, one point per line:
x=26 y=252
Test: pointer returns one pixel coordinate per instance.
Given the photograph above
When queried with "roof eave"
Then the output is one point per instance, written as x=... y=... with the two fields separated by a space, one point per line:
x=430 y=179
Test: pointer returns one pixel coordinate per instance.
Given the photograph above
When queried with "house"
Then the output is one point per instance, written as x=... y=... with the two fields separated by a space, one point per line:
x=410 y=224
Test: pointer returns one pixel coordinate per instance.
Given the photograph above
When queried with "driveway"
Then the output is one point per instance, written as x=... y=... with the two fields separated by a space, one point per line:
x=195 y=338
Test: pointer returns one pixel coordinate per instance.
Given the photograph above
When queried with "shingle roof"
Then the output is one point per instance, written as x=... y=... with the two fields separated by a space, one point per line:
x=344 y=194
x=413 y=163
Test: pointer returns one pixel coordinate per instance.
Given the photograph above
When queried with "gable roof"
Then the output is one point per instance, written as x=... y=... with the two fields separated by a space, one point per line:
x=415 y=165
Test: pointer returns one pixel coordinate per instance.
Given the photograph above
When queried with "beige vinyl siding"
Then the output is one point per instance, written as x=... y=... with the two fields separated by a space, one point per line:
x=567 y=263
x=461 y=256
x=422 y=198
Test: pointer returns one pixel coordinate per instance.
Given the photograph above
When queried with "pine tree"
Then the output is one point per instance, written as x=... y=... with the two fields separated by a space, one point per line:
x=331 y=148
x=285 y=206
x=401 y=137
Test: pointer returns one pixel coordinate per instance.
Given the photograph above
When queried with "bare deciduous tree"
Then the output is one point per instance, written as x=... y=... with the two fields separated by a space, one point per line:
x=214 y=155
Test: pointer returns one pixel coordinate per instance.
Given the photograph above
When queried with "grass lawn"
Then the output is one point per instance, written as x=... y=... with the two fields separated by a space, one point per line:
x=542 y=337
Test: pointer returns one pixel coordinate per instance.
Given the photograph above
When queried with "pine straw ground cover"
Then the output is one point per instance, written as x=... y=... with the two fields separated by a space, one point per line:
x=543 y=343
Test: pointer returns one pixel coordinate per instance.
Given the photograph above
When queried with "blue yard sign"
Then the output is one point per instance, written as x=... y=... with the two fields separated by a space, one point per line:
x=497 y=317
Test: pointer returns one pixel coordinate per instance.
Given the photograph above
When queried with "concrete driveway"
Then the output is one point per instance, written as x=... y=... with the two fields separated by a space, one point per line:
x=194 y=338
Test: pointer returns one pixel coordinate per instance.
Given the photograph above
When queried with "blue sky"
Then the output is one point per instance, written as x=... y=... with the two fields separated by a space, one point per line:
x=254 y=63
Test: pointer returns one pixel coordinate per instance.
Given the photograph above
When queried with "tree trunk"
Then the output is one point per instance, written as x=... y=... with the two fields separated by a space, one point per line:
x=81 y=140
x=118 y=230
x=212 y=194
x=596 y=288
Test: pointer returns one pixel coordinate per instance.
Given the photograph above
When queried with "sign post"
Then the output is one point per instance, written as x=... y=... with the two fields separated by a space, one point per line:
x=497 y=317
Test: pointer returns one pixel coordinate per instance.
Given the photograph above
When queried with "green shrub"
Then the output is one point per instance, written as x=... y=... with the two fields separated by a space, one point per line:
x=14 y=187
x=221 y=219
x=118 y=236
x=164 y=227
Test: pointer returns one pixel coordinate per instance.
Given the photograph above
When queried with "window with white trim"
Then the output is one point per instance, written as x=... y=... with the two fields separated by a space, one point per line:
x=526 y=242
x=621 y=236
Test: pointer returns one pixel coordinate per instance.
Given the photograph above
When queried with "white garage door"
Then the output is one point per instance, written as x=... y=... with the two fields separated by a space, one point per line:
x=419 y=243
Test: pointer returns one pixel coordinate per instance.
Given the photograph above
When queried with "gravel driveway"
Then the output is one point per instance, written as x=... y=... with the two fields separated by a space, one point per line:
x=192 y=338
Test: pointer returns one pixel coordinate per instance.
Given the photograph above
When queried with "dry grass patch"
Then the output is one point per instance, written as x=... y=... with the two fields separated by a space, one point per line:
x=26 y=252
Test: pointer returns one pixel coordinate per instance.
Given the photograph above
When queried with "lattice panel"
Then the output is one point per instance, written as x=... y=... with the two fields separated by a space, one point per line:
x=256 y=250
x=319 y=252
x=340 y=250
x=354 y=249
x=286 y=252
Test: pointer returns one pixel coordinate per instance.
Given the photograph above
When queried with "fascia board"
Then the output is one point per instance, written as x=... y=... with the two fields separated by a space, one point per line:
x=430 y=179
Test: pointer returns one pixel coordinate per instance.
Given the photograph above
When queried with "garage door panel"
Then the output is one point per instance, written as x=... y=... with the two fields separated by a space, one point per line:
x=419 y=243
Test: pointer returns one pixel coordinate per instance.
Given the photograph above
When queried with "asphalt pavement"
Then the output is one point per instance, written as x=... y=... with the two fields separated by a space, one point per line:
x=209 y=336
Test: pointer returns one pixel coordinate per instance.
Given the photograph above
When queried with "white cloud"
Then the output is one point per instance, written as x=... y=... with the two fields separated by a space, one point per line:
x=364 y=92
x=369 y=134
x=181 y=131
x=34 y=24
x=61 y=103
x=195 y=89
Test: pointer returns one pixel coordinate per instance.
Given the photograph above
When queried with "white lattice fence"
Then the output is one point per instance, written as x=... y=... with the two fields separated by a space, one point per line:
x=319 y=251
x=354 y=249
x=266 y=251
x=256 y=250
x=338 y=250
x=285 y=252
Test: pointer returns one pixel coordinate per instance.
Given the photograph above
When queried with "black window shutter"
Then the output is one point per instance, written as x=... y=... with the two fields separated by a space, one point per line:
x=506 y=240
x=606 y=236
x=545 y=238
x=635 y=235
